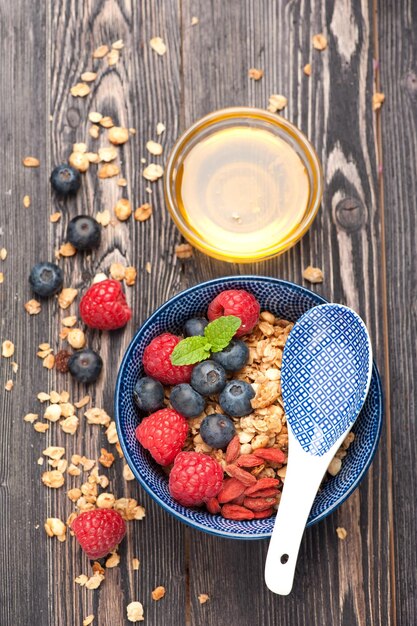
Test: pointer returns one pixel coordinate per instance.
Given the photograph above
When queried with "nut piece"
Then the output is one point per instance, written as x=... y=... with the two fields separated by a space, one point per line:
x=313 y=274
x=152 y=172
x=53 y=479
x=7 y=348
x=255 y=74
x=88 y=620
x=202 y=598
x=100 y=52
x=135 y=612
x=377 y=100
x=319 y=42
x=31 y=162
x=341 y=532
x=154 y=148
x=80 y=90
x=158 y=593
x=118 y=135
x=108 y=170
x=184 y=251
x=79 y=160
x=307 y=69
x=277 y=103
x=158 y=45
x=76 y=338
x=143 y=212
x=113 y=57
x=69 y=321
x=123 y=209
x=67 y=297
x=54 y=527
x=118 y=45
x=88 y=77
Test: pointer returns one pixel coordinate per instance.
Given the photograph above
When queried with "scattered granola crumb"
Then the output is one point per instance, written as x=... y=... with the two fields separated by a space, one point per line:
x=158 y=45
x=143 y=212
x=98 y=278
x=53 y=479
x=80 y=90
x=26 y=201
x=53 y=412
x=307 y=69
x=135 y=612
x=31 y=162
x=69 y=321
x=277 y=103
x=79 y=160
x=122 y=182
x=15 y=367
x=118 y=45
x=95 y=581
x=319 y=42
x=148 y=267
x=95 y=117
x=154 y=148
x=118 y=135
x=107 y=154
x=184 y=251
x=94 y=131
x=255 y=74
x=341 y=532
x=123 y=209
x=152 y=172
x=334 y=466
x=67 y=249
x=160 y=127
x=130 y=276
x=377 y=100
x=81 y=579
x=41 y=427
x=106 y=122
x=88 y=620
x=135 y=564
x=194 y=20
x=108 y=170
x=55 y=217
x=7 y=349
x=103 y=218
x=158 y=593
x=76 y=338
x=30 y=417
x=313 y=274
x=54 y=527
x=127 y=473
x=1 y=277
x=85 y=400
x=113 y=560
x=3 y=254
x=106 y=458
x=113 y=57
x=67 y=297
x=79 y=147
x=88 y=77
x=100 y=52
x=33 y=307
x=9 y=385
x=97 y=568
x=202 y=598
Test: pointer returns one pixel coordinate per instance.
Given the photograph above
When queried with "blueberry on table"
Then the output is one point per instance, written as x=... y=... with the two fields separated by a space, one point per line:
x=186 y=400
x=84 y=232
x=46 y=279
x=233 y=357
x=235 y=398
x=217 y=430
x=65 y=179
x=208 y=378
x=195 y=327
x=149 y=394
x=85 y=366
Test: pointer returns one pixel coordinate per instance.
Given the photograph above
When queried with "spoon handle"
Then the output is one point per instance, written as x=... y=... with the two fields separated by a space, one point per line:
x=302 y=480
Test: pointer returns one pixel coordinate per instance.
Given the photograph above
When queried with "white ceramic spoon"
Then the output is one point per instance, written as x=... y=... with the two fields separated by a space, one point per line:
x=325 y=377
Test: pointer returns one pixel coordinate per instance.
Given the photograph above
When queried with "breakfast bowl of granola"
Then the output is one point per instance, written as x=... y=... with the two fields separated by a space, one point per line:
x=199 y=410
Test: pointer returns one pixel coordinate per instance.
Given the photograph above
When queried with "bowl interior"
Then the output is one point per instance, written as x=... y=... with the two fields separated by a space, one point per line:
x=285 y=300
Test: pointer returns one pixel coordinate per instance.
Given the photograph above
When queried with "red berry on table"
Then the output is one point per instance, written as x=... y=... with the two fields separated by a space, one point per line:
x=195 y=478
x=104 y=306
x=236 y=302
x=157 y=361
x=99 y=531
x=163 y=433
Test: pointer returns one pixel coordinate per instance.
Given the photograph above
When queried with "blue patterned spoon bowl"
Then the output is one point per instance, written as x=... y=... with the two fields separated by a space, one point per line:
x=325 y=377
x=286 y=300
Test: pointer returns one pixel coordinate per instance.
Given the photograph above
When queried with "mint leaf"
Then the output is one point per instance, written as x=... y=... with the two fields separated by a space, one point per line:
x=220 y=332
x=190 y=350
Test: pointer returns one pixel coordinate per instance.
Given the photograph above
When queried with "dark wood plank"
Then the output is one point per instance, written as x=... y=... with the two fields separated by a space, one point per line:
x=398 y=125
x=337 y=583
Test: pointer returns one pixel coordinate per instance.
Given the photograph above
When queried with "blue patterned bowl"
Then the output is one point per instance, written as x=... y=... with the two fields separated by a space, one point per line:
x=286 y=300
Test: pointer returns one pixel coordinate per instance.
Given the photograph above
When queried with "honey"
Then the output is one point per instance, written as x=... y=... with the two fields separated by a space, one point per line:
x=243 y=189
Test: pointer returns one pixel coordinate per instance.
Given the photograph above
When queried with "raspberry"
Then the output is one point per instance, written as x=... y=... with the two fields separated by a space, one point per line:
x=163 y=433
x=157 y=361
x=194 y=478
x=104 y=306
x=236 y=302
x=99 y=531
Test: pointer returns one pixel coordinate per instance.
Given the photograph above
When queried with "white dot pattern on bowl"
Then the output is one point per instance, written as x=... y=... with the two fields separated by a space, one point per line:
x=286 y=300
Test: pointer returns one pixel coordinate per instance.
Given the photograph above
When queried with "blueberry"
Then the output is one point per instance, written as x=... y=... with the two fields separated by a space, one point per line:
x=85 y=366
x=217 y=430
x=186 y=400
x=235 y=398
x=208 y=377
x=84 y=232
x=195 y=326
x=234 y=357
x=46 y=279
x=149 y=394
x=65 y=179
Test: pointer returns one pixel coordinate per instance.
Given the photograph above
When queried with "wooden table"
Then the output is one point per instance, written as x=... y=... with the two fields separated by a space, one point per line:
x=363 y=238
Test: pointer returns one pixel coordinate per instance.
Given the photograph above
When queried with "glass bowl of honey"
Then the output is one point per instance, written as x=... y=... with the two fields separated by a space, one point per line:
x=243 y=184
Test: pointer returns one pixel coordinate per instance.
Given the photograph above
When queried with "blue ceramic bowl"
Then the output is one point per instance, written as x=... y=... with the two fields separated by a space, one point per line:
x=286 y=300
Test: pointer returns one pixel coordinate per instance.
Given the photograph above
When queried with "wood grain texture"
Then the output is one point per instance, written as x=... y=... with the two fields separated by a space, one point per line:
x=333 y=107
x=398 y=80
